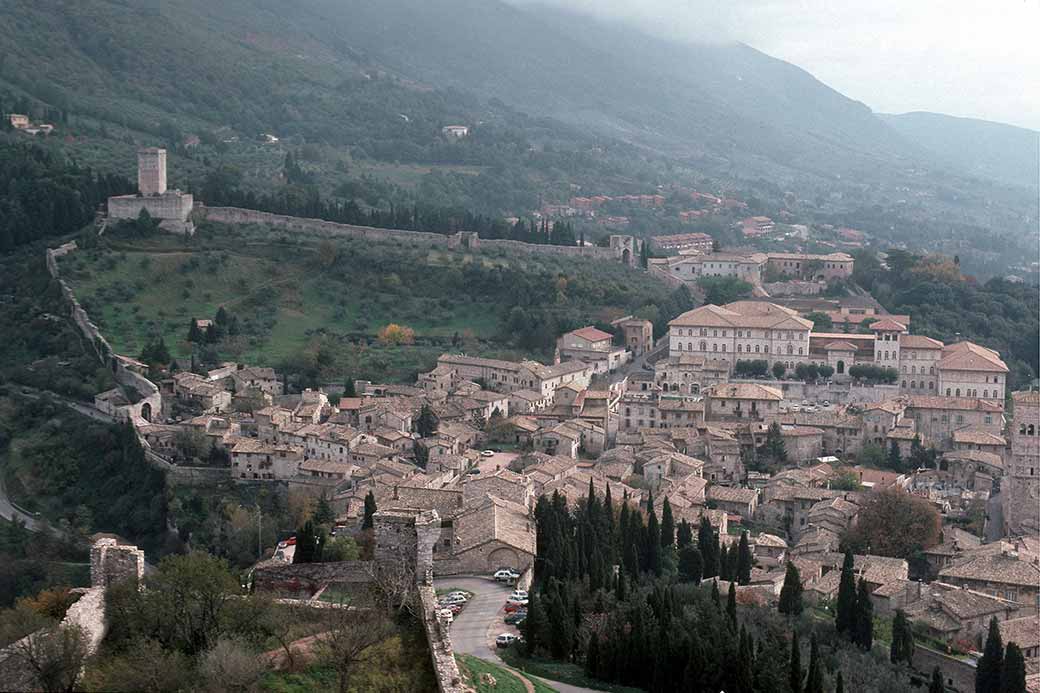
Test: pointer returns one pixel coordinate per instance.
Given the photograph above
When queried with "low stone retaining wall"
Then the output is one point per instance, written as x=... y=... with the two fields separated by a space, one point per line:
x=958 y=675
x=197 y=476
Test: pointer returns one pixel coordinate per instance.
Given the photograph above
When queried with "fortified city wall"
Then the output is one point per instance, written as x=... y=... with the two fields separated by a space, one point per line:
x=460 y=240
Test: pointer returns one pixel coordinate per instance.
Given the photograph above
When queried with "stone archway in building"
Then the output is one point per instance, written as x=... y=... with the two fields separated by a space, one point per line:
x=146 y=412
x=503 y=557
x=626 y=256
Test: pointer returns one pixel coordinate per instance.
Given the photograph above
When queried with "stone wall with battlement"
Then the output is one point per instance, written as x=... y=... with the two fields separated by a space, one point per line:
x=461 y=240
x=112 y=562
x=147 y=400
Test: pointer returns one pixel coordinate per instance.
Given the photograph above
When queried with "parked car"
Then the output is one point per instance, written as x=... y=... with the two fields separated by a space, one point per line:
x=447 y=615
x=516 y=617
x=487 y=453
x=474 y=470
x=505 y=640
x=515 y=606
x=506 y=575
x=454 y=599
x=516 y=600
x=457 y=593
x=518 y=594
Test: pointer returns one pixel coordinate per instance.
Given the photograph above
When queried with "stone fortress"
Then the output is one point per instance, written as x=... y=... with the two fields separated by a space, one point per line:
x=171 y=207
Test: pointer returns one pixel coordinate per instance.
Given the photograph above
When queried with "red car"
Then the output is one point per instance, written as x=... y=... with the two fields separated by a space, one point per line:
x=510 y=608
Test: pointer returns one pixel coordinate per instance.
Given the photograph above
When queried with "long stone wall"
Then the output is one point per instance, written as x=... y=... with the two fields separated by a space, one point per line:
x=463 y=240
x=298 y=579
x=438 y=635
x=958 y=675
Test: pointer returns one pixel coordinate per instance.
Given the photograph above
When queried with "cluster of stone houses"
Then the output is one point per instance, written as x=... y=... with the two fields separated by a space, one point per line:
x=694 y=262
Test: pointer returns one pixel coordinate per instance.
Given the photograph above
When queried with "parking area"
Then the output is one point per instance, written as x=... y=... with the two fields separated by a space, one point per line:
x=500 y=460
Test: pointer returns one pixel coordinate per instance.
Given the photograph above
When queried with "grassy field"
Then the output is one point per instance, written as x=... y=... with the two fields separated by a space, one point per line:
x=317 y=306
x=565 y=672
x=505 y=681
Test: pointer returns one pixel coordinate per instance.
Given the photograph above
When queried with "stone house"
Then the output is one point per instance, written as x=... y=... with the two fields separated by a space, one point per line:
x=528 y=402
x=1000 y=573
x=680 y=413
x=253 y=459
x=256 y=378
x=955 y=614
x=638 y=334
x=769 y=549
x=938 y=417
x=592 y=346
x=802 y=443
x=501 y=483
x=366 y=455
x=833 y=514
x=984 y=441
x=323 y=469
x=196 y=391
x=737 y=501
x=112 y=402
x=688 y=374
x=1025 y=632
x=741 y=401
x=497 y=534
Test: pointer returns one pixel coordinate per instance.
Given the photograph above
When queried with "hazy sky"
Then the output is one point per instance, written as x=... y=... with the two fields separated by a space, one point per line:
x=977 y=58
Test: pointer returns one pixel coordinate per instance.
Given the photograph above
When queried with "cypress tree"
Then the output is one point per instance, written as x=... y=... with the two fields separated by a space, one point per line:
x=744 y=560
x=936 y=686
x=533 y=624
x=902 y=649
x=592 y=657
x=706 y=545
x=715 y=598
x=370 y=510
x=839 y=686
x=690 y=565
x=667 y=524
x=814 y=682
x=864 y=621
x=791 y=592
x=684 y=535
x=991 y=665
x=794 y=677
x=1013 y=675
x=731 y=605
x=724 y=563
x=653 y=542
x=845 y=616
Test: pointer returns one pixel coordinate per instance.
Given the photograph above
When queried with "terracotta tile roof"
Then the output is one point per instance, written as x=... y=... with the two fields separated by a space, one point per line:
x=592 y=334
x=770 y=540
x=887 y=325
x=1023 y=631
x=996 y=567
x=976 y=437
x=495 y=520
x=841 y=345
x=957 y=403
x=743 y=314
x=729 y=494
x=916 y=341
x=746 y=391
x=1026 y=397
x=967 y=356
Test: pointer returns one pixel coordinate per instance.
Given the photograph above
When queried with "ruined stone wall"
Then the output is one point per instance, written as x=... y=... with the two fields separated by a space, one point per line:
x=172 y=205
x=304 y=579
x=147 y=393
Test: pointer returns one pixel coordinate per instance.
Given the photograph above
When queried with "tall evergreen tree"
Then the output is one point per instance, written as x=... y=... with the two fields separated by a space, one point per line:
x=690 y=565
x=791 y=592
x=794 y=676
x=1013 y=674
x=653 y=541
x=731 y=605
x=706 y=545
x=715 y=597
x=864 y=620
x=684 y=535
x=845 y=616
x=991 y=664
x=592 y=656
x=814 y=680
x=724 y=563
x=744 y=560
x=370 y=510
x=902 y=649
x=667 y=525
x=349 y=390
x=936 y=686
x=895 y=457
x=427 y=422
x=839 y=685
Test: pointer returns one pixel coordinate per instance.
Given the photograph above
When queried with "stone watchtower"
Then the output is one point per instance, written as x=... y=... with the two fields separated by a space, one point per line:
x=151 y=171
x=406 y=534
x=112 y=562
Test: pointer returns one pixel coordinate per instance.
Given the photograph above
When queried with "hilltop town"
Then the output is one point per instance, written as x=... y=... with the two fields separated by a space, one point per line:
x=780 y=422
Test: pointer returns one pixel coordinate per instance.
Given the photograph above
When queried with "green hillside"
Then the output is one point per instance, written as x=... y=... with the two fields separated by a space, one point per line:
x=978 y=147
x=315 y=309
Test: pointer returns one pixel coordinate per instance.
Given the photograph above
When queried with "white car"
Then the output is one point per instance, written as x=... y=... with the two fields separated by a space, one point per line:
x=519 y=594
x=518 y=601
x=446 y=615
x=505 y=640
x=454 y=599
x=506 y=575
x=487 y=453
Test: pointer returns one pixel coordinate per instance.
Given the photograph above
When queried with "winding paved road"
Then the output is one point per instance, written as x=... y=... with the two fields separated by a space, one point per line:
x=474 y=629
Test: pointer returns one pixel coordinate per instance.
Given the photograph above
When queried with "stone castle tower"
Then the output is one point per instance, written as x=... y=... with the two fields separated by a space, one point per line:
x=1020 y=487
x=151 y=171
